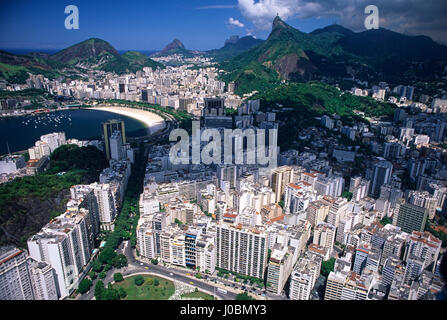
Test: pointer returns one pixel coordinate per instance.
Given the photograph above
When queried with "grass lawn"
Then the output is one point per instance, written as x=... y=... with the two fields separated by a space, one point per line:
x=198 y=294
x=147 y=291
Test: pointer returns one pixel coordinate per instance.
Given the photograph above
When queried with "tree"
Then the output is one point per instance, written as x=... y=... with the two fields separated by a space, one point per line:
x=92 y=275
x=84 y=286
x=156 y=282
x=112 y=294
x=139 y=280
x=107 y=255
x=244 y=296
x=385 y=221
x=120 y=261
x=154 y=261
x=348 y=195
x=97 y=266
x=122 y=293
x=281 y=204
x=102 y=275
x=118 y=277
x=327 y=267
x=99 y=290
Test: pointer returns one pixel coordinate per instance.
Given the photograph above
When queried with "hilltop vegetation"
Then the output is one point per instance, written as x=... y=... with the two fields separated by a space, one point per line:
x=15 y=69
x=130 y=62
x=319 y=98
x=300 y=103
x=27 y=93
x=72 y=157
x=28 y=203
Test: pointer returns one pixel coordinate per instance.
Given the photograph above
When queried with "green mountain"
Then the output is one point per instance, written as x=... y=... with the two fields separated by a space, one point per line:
x=233 y=47
x=89 y=49
x=335 y=52
x=130 y=62
x=299 y=103
x=89 y=54
x=15 y=68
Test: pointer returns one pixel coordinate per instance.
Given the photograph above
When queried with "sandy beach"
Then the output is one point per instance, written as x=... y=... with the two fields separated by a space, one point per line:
x=151 y=120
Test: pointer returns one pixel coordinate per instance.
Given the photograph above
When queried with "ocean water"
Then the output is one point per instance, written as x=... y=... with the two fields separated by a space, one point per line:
x=20 y=133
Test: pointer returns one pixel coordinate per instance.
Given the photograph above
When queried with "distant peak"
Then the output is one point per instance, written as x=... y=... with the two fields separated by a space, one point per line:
x=232 y=39
x=177 y=43
x=279 y=23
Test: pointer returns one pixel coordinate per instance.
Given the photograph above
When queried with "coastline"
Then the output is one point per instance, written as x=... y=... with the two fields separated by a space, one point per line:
x=151 y=120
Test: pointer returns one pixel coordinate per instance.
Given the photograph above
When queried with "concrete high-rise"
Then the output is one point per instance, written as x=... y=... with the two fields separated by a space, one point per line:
x=281 y=177
x=241 y=250
x=382 y=175
x=411 y=217
x=15 y=280
x=279 y=267
x=108 y=128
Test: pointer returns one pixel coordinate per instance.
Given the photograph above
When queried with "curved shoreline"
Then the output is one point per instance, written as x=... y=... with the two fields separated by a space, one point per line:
x=151 y=120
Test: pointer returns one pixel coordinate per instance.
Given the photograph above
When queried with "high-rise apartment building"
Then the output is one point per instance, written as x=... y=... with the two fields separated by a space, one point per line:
x=303 y=279
x=241 y=250
x=281 y=177
x=15 y=280
x=317 y=212
x=324 y=236
x=108 y=128
x=64 y=244
x=410 y=217
x=279 y=268
x=381 y=175
x=43 y=280
x=424 y=246
x=106 y=205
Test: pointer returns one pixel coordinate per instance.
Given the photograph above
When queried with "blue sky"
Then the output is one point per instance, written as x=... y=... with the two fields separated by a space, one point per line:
x=130 y=24
x=200 y=24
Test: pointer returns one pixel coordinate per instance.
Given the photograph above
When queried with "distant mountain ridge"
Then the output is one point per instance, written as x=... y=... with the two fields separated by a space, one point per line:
x=233 y=47
x=334 y=51
x=92 y=53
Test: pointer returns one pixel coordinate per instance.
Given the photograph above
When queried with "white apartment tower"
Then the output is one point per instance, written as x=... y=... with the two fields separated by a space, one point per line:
x=241 y=250
x=15 y=280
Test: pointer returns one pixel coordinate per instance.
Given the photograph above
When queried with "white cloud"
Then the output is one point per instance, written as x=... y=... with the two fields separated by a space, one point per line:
x=262 y=13
x=235 y=22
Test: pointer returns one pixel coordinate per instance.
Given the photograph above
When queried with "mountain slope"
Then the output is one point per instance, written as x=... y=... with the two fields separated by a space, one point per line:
x=90 y=54
x=15 y=68
x=233 y=47
x=336 y=52
x=300 y=103
x=280 y=57
x=130 y=62
x=91 y=48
